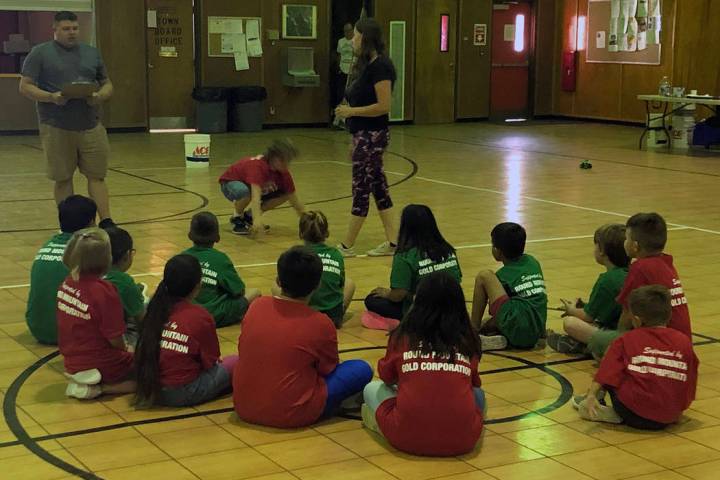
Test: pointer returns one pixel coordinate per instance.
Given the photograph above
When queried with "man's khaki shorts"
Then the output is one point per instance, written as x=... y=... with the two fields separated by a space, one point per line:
x=66 y=150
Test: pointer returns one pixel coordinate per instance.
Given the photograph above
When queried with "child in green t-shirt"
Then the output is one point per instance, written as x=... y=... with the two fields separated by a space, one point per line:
x=223 y=292
x=584 y=320
x=421 y=250
x=515 y=294
x=335 y=292
x=131 y=294
x=48 y=271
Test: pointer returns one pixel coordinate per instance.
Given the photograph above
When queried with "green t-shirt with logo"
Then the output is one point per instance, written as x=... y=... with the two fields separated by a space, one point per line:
x=602 y=306
x=411 y=266
x=522 y=318
x=130 y=293
x=222 y=292
x=329 y=293
x=46 y=275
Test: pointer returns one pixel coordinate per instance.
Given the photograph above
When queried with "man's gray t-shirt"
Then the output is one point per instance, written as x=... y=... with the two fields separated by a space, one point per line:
x=51 y=66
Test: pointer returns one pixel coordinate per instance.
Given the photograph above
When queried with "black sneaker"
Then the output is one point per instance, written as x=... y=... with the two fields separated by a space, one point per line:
x=241 y=228
x=106 y=223
x=247 y=217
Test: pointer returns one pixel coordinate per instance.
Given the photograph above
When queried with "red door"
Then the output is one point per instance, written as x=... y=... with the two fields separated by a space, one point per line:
x=509 y=79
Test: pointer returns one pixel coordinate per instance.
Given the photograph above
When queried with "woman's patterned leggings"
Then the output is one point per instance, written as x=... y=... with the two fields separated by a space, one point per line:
x=368 y=176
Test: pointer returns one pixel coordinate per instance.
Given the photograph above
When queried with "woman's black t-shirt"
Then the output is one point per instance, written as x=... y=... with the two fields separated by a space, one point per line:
x=361 y=93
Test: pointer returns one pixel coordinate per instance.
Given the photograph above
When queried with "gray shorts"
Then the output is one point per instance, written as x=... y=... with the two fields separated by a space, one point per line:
x=209 y=385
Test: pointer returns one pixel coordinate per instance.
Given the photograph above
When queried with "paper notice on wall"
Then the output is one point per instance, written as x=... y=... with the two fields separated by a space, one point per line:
x=614 y=8
x=233 y=25
x=252 y=33
x=632 y=32
x=642 y=8
x=613 y=34
x=152 y=19
x=600 y=40
x=509 y=32
x=215 y=25
x=227 y=44
x=240 y=52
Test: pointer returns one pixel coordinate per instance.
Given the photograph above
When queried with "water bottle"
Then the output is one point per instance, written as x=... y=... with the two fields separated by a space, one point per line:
x=665 y=87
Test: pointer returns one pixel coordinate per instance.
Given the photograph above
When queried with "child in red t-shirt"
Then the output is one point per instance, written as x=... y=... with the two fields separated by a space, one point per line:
x=429 y=401
x=91 y=321
x=288 y=373
x=260 y=183
x=650 y=372
x=645 y=239
x=178 y=355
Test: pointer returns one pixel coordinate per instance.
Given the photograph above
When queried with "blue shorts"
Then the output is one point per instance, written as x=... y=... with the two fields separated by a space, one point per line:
x=209 y=385
x=236 y=190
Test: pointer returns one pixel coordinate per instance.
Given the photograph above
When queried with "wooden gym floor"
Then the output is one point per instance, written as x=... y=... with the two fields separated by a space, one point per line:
x=473 y=176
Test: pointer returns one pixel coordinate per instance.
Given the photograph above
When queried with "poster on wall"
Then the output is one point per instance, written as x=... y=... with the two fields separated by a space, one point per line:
x=480 y=34
x=624 y=31
x=299 y=22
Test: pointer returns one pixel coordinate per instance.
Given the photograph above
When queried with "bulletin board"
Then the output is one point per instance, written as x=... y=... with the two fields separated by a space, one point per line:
x=215 y=39
x=599 y=22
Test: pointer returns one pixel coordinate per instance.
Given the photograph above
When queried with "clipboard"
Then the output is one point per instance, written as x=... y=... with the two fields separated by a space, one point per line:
x=79 y=89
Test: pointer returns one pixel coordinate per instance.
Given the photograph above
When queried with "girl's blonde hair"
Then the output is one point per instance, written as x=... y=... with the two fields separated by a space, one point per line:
x=88 y=253
x=314 y=227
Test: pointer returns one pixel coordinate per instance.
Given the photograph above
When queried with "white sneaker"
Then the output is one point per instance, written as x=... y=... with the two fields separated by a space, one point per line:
x=83 y=392
x=346 y=252
x=368 y=419
x=85 y=377
x=382 y=250
x=493 y=342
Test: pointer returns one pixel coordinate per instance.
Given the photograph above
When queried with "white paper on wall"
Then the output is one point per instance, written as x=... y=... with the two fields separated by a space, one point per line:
x=600 y=40
x=240 y=52
x=252 y=33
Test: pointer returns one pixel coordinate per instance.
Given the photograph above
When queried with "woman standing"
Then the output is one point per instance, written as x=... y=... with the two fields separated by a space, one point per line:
x=368 y=96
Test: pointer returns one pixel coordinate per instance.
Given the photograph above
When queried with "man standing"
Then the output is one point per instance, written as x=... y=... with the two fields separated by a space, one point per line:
x=70 y=130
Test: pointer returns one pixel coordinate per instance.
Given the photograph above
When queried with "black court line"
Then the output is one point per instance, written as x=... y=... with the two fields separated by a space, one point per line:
x=561 y=155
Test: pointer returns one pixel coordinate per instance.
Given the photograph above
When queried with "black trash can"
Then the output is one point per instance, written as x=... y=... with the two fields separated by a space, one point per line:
x=247 y=108
x=210 y=109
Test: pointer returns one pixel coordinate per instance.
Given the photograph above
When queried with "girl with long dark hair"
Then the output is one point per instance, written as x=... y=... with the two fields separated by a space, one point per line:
x=368 y=94
x=428 y=401
x=421 y=250
x=178 y=355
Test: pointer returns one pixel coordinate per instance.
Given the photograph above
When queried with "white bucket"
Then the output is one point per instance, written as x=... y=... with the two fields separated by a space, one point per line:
x=197 y=150
x=683 y=122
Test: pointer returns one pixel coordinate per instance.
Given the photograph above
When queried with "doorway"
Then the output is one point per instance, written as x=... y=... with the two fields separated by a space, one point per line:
x=511 y=52
x=343 y=12
x=171 y=68
x=435 y=54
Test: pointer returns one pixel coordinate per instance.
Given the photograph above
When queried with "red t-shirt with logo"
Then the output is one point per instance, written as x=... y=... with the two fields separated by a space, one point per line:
x=188 y=345
x=653 y=372
x=286 y=349
x=89 y=315
x=659 y=270
x=434 y=412
x=257 y=171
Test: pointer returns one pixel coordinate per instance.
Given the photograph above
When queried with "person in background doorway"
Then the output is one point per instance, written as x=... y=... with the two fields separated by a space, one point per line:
x=345 y=57
x=70 y=129
x=368 y=95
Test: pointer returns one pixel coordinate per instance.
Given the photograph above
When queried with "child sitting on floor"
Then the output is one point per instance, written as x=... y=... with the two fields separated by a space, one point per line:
x=650 y=372
x=429 y=400
x=421 y=250
x=48 y=271
x=132 y=295
x=288 y=373
x=645 y=239
x=335 y=292
x=261 y=183
x=178 y=356
x=516 y=294
x=90 y=321
x=223 y=292
x=601 y=312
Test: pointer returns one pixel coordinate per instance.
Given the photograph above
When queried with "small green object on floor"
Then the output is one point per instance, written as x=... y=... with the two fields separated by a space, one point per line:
x=585 y=165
